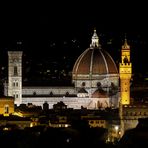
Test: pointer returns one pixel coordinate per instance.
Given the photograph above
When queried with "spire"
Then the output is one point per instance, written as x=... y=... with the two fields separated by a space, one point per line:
x=125 y=45
x=95 y=40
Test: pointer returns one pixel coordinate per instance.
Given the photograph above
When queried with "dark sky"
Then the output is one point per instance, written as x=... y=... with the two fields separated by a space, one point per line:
x=27 y=20
x=37 y=24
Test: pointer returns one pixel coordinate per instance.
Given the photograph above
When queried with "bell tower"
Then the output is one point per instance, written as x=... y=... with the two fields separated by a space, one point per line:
x=125 y=72
x=15 y=75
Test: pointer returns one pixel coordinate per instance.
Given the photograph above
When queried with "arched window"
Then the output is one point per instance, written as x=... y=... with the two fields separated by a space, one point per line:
x=16 y=96
x=67 y=93
x=98 y=84
x=51 y=93
x=83 y=84
x=6 y=109
x=16 y=84
x=125 y=60
x=13 y=84
x=15 y=71
x=34 y=93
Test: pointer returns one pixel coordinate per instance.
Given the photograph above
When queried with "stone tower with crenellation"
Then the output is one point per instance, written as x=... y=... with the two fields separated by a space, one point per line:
x=125 y=73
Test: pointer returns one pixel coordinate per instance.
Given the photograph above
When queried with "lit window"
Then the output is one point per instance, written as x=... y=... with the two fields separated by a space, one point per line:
x=6 y=109
x=91 y=122
x=102 y=121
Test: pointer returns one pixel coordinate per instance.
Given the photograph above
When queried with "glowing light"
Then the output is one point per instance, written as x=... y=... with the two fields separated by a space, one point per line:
x=66 y=125
x=5 y=129
x=116 y=127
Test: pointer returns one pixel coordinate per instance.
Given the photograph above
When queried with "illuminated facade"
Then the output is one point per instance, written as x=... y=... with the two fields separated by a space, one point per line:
x=94 y=75
x=129 y=111
x=15 y=75
x=95 y=68
x=6 y=106
x=125 y=72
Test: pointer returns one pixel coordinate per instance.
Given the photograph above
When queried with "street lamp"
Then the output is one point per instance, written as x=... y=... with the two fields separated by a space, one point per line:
x=116 y=129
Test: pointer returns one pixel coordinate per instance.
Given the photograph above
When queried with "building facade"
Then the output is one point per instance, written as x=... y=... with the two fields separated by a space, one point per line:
x=130 y=110
x=15 y=75
x=6 y=106
x=94 y=75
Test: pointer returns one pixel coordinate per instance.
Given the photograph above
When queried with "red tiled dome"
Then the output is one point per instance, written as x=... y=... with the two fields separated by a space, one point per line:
x=94 y=61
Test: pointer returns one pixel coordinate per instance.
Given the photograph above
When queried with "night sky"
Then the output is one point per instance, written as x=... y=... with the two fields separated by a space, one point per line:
x=40 y=26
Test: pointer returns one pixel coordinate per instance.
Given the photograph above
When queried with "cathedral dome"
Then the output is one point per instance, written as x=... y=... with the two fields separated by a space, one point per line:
x=94 y=61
